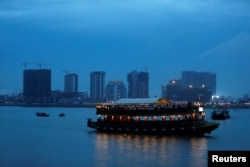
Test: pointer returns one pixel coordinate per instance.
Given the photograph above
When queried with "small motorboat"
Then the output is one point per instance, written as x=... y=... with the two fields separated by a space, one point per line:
x=42 y=114
x=62 y=115
x=220 y=113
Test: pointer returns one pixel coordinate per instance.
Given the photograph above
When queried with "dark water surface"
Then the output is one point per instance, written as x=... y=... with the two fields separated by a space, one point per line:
x=27 y=140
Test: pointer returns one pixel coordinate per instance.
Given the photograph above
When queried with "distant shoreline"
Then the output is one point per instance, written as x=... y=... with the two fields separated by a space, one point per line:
x=93 y=105
x=52 y=105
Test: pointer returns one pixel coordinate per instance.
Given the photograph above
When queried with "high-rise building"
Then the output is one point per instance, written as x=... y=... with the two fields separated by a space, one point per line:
x=37 y=85
x=171 y=90
x=115 y=90
x=199 y=80
x=143 y=85
x=132 y=84
x=138 y=84
x=192 y=86
x=97 y=86
x=71 y=84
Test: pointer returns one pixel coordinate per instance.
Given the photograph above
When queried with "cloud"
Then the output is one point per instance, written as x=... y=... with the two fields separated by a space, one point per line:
x=114 y=8
x=117 y=15
x=230 y=60
x=236 y=47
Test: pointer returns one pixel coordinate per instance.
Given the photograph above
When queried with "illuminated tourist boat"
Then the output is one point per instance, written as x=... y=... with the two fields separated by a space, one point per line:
x=151 y=116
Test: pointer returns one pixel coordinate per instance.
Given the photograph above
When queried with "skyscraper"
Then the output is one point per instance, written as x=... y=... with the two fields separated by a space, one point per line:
x=97 y=86
x=192 y=86
x=138 y=84
x=71 y=84
x=115 y=90
x=199 y=80
x=37 y=85
x=142 y=84
x=132 y=84
x=172 y=90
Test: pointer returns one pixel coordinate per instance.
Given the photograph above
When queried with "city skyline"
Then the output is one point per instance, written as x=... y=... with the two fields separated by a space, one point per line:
x=164 y=37
x=37 y=87
x=106 y=82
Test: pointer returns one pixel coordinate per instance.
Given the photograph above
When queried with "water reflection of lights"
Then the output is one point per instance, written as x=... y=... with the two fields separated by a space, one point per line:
x=101 y=151
x=197 y=148
x=121 y=149
x=133 y=149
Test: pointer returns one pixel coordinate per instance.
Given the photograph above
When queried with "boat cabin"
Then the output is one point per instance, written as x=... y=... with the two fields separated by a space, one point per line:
x=149 y=109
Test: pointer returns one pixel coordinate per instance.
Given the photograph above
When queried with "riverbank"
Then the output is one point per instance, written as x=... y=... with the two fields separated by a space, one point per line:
x=91 y=105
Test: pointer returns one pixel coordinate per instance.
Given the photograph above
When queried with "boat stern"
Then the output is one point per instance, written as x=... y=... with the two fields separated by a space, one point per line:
x=91 y=123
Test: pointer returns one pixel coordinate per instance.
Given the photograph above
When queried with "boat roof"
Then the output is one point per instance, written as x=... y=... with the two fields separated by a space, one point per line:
x=161 y=101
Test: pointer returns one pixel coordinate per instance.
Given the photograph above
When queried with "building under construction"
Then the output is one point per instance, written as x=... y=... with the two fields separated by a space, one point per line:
x=37 y=85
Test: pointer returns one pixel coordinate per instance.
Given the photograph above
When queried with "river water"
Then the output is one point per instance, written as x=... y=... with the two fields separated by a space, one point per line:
x=30 y=141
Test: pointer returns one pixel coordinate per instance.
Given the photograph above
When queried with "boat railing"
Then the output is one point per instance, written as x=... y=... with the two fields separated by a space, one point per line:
x=155 y=111
x=144 y=106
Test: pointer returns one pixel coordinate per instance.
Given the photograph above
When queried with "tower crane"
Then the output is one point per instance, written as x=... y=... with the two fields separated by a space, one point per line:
x=65 y=71
x=42 y=64
x=25 y=64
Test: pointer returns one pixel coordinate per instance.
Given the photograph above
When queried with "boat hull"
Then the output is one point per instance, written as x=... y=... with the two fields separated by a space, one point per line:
x=155 y=127
x=220 y=115
x=42 y=114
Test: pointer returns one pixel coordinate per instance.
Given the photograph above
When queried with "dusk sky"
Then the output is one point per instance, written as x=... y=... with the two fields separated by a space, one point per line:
x=119 y=36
